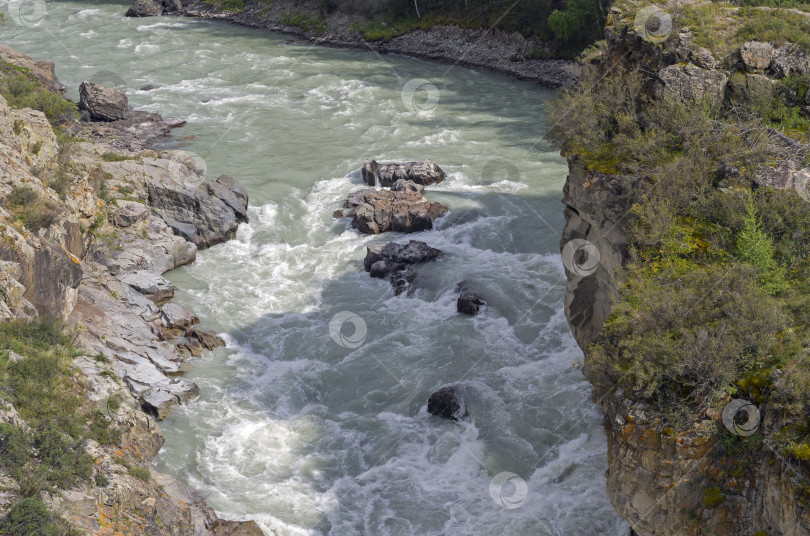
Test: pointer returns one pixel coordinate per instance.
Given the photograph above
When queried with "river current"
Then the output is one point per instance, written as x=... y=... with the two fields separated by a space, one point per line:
x=303 y=430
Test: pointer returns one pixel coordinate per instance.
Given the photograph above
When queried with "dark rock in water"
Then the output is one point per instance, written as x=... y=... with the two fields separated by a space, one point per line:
x=103 y=103
x=424 y=172
x=378 y=211
x=209 y=341
x=446 y=403
x=147 y=87
x=413 y=252
x=407 y=186
x=395 y=262
x=469 y=303
x=153 y=8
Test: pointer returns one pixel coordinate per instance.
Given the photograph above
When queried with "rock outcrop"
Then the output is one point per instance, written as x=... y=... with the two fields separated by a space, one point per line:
x=665 y=482
x=396 y=262
x=379 y=211
x=92 y=255
x=447 y=404
x=203 y=212
x=424 y=172
x=103 y=103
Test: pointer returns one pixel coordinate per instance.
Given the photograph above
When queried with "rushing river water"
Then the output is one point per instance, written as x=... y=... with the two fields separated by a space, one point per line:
x=292 y=429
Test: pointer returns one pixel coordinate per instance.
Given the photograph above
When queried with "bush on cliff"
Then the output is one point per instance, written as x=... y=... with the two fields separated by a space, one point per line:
x=715 y=297
x=41 y=388
x=22 y=90
x=30 y=517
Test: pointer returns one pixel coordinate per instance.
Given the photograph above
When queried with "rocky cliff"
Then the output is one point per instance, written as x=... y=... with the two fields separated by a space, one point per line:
x=89 y=219
x=656 y=195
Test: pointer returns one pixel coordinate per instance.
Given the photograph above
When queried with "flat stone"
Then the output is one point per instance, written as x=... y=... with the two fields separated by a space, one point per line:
x=176 y=316
x=153 y=286
x=129 y=213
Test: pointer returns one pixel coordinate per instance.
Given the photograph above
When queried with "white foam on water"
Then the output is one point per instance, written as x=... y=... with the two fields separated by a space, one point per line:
x=304 y=435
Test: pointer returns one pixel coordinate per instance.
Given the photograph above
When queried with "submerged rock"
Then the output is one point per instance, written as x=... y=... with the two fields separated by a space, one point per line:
x=469 y=303
x=378 y=211
x=423 y=172
x=446 y=403
x=395 y=262
x=103 y=103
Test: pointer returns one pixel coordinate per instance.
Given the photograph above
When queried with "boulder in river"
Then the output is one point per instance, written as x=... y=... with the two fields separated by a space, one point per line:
x=423 y=172
x=103 y=103
x=469 y=303
x=378 y=211
x=153 y=8
x=447 y=404
x=395 y=262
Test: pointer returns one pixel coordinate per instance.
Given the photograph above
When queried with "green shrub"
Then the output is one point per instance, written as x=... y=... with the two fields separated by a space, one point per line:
x=756 y=248
x=15 y=447
x=139 y=472
x=115 y=157
x=682 y=333
x=30 y=517
x=34 y=212
x=102 y=431
x=66 y=461
x=21 y=196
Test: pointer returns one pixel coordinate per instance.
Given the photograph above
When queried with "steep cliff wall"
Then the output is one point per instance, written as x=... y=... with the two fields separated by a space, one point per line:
x=86 y=229
x=674 y=468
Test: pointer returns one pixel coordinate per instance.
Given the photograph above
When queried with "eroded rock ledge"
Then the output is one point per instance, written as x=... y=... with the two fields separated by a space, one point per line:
x=92 y=254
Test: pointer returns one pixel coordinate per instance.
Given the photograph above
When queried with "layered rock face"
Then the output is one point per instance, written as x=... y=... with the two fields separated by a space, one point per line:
x=661 y=481
x=92 y=254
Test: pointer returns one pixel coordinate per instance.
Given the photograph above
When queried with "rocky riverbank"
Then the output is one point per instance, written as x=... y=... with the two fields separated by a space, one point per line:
x=89 y=220
x=508 y=53
x=650 y=270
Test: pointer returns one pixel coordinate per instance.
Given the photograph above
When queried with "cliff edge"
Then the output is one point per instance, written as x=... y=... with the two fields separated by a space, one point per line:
x=686 y=253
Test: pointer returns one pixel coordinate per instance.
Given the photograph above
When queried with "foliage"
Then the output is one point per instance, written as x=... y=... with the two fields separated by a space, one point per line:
x=683 y=333
x=756 y=248
x=15 y=446
x=305 y=21
x=30 y=517
x=581 y=20
x=34 y=212
x=22 y=90
x=716 y=294
x=41 y=388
